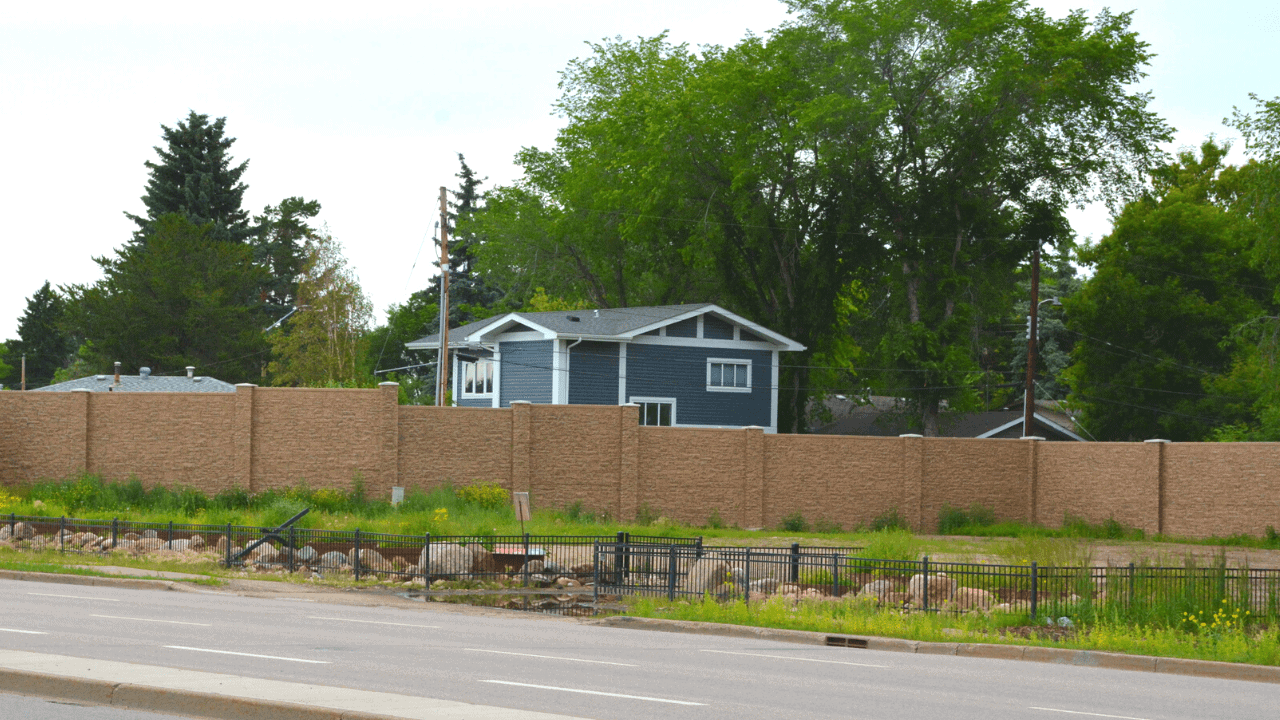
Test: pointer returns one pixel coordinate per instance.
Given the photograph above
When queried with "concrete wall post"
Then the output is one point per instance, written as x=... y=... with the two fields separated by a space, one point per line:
x=81 y=398
x=629 y=462
x=1160 y=461
x=521 y=446
x=243 y=434
x=753 y=500
x=913 y=481
x=390 y=451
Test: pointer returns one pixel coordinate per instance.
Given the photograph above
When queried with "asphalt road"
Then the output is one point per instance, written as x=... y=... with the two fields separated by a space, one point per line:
x=561 y=666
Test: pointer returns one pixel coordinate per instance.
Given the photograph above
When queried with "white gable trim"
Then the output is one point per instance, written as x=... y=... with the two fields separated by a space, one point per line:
x=504 y=322
x=1040 y=418
x=787 y=343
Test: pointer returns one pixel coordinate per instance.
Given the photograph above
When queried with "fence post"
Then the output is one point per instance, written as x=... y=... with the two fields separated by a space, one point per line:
x=626 y=553
x=617 y=557
x=115 y=531
x=526 y=561
x=925 y=564
x=426 y=561
x=794 y=575
x=62 y=534
x=595 y=576
x=835 y=575
x=170 y=534
x=1035 y=588
x=697 y=555
x=1131 y=574
x=293 y=548
x=355 y=560
x=13 y=524
x=746 y=579
x=671 y=572
x=230 y=541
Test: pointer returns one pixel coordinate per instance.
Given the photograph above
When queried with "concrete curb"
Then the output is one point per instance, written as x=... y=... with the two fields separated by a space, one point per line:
x=129 y=696
x=1059 y=656
x=92 y=580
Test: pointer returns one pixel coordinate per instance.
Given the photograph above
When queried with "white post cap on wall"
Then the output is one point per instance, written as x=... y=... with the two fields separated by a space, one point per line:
x=911 y=435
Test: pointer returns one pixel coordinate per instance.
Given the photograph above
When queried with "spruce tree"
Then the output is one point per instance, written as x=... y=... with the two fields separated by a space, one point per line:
x=281 y=249
x=41 y=337
x=470 y=296
x=196 y=178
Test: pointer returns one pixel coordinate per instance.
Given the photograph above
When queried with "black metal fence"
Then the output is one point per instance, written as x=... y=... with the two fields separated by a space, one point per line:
x=822 y=573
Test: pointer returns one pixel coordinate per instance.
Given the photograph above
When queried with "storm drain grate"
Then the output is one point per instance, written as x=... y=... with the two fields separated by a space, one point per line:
x=849 y=642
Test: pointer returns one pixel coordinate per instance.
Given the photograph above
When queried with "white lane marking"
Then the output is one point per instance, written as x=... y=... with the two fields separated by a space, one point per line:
x=78 y=597
x=24 y=632
x=171 y=622
x=594 y=692
x=788 y=657
x=1077 y=712
x=265 y=657
x=374 y=622
x=550 y=657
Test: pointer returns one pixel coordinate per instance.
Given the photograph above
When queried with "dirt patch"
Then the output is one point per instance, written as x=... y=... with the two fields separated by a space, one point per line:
x=1040 y=632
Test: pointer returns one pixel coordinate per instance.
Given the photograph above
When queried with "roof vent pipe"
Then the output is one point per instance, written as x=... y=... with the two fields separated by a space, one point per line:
x=144 y=372
x=191 y=372
x=117 y=373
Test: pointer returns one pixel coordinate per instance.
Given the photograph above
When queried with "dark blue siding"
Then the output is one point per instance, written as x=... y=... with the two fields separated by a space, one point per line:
x=747 y=335
x=684 y=328
x=681 y=372
x=593 y=373
x=525 y=371
x=713 y=328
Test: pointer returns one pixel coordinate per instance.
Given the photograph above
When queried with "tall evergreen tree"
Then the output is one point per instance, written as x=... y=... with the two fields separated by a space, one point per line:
x=196 y=178
x=281 y=249
x=470 y=295
x=182 y=298
x=41 y=336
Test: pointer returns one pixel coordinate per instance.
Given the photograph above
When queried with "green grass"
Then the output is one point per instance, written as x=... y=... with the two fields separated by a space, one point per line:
x=53 y=562
x=1229 y=642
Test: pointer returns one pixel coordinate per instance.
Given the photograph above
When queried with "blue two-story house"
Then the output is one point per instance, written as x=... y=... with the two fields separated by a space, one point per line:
x=684 y=365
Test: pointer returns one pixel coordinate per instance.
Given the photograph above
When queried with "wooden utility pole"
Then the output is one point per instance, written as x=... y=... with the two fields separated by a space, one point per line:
x=24 y=371
x=442 y=362
x=1029 y=403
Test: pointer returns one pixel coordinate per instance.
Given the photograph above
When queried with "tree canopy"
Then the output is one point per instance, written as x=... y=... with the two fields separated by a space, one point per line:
x=197 y=178
x=865 y=179
x=42 y=337
x=182 y=298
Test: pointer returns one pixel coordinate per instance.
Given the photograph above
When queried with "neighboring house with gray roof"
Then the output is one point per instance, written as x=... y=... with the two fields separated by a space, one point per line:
x=685 y=365
x=144 y=381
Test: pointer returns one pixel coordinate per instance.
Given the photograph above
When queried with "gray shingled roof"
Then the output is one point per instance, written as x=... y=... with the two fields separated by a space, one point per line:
x=608 y=322
x=139 y=383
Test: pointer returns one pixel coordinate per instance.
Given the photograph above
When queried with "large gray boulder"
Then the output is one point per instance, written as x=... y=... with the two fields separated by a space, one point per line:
x=331 y=560
x=941 y=588
x=23 y=531
x=370 y=560
x=306 y=553
x=879 y=589
x=446 y=559
x=178 y=545
x=707 y=575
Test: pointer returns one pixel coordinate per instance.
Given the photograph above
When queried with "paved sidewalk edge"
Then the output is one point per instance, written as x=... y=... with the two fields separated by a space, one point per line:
x=1060 y=656
x=143 y=698
x=93 y=580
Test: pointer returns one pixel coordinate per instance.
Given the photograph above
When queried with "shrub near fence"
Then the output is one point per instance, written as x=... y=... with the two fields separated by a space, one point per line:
x=1161 y=595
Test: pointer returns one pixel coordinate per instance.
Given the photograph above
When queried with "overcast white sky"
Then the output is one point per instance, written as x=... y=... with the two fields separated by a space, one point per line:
x=365 y=108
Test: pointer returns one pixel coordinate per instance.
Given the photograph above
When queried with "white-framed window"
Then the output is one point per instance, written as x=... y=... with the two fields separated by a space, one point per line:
x=477 y=379
x=656 y=411
x=728 y=375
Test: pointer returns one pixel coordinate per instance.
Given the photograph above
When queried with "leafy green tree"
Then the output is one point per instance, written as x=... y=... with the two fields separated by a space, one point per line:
x=417 y=317
x=1171 y=282
x=42 y=336
x=184 y=297
x=196 y=178
x=324 y=343
x=6 y=370
x=909 y=152
x=280 y=247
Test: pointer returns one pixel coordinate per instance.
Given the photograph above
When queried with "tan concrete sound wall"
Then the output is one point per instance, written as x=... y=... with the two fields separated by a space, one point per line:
x=162 y=438
x=260 y=438
x=1097 y=482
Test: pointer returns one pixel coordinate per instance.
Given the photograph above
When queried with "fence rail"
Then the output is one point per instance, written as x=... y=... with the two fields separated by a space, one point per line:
x=835 y=573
